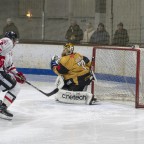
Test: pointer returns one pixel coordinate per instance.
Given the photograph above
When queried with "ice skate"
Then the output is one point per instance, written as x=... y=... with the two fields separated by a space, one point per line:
x=93 y=101
x=4 y=113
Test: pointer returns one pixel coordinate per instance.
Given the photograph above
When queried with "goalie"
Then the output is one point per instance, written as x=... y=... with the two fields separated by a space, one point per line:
x=74 y=75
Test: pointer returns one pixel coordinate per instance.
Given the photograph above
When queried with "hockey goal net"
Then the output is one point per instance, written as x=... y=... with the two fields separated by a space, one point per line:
x=119 y=74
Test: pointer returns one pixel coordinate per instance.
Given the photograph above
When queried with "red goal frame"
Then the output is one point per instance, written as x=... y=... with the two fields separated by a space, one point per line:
x=137 y=50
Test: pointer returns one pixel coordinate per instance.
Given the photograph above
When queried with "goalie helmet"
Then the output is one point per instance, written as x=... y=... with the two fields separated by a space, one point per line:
x=12 y=35
x=68 y=49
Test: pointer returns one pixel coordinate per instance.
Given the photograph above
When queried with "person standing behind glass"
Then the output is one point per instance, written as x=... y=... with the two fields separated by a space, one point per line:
x=74 y=33
x=121 y=37
x=88 y=32
x=10 y=26
x=100 y=36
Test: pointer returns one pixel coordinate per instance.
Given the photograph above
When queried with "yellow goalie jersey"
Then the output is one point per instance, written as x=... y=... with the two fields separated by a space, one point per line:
x=73 y=67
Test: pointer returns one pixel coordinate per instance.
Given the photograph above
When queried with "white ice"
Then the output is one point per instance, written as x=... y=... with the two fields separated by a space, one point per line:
x=42 y=120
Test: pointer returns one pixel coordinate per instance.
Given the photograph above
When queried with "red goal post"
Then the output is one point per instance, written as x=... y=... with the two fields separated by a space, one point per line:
x=118 y=72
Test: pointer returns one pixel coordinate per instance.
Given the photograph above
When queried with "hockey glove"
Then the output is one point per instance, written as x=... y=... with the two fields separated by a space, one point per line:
x=2 y=58
x=20 y=77
x=56 y=58
x=54 y=61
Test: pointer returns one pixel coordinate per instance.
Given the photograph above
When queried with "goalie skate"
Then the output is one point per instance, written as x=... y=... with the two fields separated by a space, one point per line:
x=4 y=113
x=93 y=101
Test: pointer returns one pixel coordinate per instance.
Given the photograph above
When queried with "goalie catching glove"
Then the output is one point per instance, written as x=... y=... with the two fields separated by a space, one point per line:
x=54 y=61
x=20 y=77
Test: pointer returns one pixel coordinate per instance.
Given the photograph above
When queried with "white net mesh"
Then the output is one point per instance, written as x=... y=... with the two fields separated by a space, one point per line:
x=119 y=75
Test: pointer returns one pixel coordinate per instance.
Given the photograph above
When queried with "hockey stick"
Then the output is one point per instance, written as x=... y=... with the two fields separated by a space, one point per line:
x=47 y=94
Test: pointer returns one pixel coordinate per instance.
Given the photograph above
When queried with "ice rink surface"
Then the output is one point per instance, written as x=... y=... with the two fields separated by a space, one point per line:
x=42 y=120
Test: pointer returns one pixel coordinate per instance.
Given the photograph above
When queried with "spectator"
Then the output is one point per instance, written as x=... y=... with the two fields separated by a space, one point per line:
x=100 y=36
x=74 y=33
x=88 y=32
x=10 y=26
x=1 y=36
x=121 y=37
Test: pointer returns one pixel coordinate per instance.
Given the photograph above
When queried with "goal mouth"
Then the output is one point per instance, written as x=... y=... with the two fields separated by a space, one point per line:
x=117 y=71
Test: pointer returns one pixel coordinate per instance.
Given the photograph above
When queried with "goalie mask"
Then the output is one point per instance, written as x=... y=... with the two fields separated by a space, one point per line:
x=68 y=49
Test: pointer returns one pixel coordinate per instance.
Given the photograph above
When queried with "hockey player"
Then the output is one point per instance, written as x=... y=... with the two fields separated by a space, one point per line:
x=76 y=72
x=9 y=76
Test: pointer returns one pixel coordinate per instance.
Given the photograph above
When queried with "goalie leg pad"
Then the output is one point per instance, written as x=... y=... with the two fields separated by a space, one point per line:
x=74 y=97
x=59 y=82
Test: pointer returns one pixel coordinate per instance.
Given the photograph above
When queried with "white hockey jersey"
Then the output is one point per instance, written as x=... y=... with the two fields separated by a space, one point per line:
x=6 y=46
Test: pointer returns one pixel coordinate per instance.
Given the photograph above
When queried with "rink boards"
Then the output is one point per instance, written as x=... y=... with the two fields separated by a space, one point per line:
x=35 y=59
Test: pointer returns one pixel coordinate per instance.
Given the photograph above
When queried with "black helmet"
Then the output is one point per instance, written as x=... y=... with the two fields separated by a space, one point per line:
x=12 y=35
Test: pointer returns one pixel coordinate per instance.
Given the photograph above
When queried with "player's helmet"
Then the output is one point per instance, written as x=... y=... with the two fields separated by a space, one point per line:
x=69 y=48
x=12 y=35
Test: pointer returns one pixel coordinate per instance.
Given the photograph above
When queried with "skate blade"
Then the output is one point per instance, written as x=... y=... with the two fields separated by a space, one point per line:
x=96 y=102
x=2 y=116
